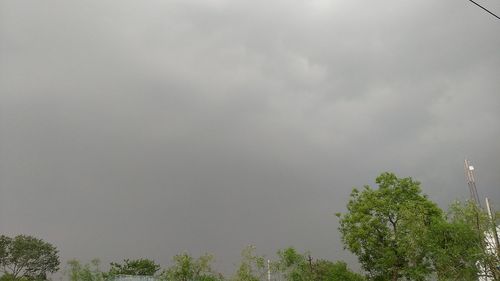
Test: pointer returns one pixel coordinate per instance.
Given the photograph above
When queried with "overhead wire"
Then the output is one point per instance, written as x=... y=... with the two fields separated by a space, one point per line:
x=488 y=11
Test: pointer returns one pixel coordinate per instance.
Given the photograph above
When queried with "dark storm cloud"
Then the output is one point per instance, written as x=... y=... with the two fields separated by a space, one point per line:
x=145 y=129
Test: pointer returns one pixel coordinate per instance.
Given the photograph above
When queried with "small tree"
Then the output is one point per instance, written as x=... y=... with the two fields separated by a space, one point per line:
x=28 y=257
x=334 y=271
x=144 y=267
x=295 y=266
x=87 y=272
x=187 y=268
x=252 y=267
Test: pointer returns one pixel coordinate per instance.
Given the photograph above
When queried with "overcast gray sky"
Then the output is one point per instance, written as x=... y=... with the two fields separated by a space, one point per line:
x=146 y=128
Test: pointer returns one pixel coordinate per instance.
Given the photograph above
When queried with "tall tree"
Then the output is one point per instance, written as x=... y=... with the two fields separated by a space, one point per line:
x=145 y=267
x=27 y=256
x=387 y=228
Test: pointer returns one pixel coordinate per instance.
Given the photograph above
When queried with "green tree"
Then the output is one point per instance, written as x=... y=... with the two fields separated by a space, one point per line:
x=455 y=250
x=334 y=271
x=388 y=228
x=27 y=257
x=145 y=267
x=187 y=268
x=462 y=245
x=87 y=272
x=252 y=267
x=295 y=266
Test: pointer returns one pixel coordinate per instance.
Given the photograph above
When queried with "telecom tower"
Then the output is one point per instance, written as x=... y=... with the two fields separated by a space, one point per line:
x=471 y=182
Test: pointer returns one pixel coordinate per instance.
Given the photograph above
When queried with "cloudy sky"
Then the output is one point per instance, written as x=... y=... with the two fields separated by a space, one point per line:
x=146 y=128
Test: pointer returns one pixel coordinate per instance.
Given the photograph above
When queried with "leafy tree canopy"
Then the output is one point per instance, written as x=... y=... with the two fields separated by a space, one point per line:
x=145 y=267
x=252 y=267
x=27 y=257
x=87 y=272
x=388 y=228
x=463 y=245
x=334 y=271
x=295 y=266
x=187 y=268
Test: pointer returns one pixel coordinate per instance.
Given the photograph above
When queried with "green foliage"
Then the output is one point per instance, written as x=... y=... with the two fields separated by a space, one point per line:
x=334 y=271
x=461 y=245
x=9 y=277
x=187 y=268
x=27 y=257
x=88 y=272
x=455 y=250
x=252 y=267
x=294 y=266
x=387 y=228
x=144 y=267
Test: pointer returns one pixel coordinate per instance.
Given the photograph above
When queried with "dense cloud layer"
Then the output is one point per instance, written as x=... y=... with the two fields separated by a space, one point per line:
x=132 y=129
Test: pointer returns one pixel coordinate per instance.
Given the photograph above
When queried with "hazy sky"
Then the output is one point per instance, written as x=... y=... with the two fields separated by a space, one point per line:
x=146 y=128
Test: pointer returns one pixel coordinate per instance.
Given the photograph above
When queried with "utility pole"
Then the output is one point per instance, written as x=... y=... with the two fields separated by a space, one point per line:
x=494 y=225
x=268 y=270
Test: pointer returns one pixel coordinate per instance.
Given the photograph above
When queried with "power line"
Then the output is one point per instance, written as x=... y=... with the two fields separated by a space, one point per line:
x=491 y=13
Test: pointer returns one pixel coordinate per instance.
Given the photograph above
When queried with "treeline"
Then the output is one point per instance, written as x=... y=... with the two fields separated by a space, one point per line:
x=395 y=230
x=291 y=265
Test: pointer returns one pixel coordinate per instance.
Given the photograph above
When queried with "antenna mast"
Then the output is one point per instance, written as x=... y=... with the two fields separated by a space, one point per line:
x=471 y=182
